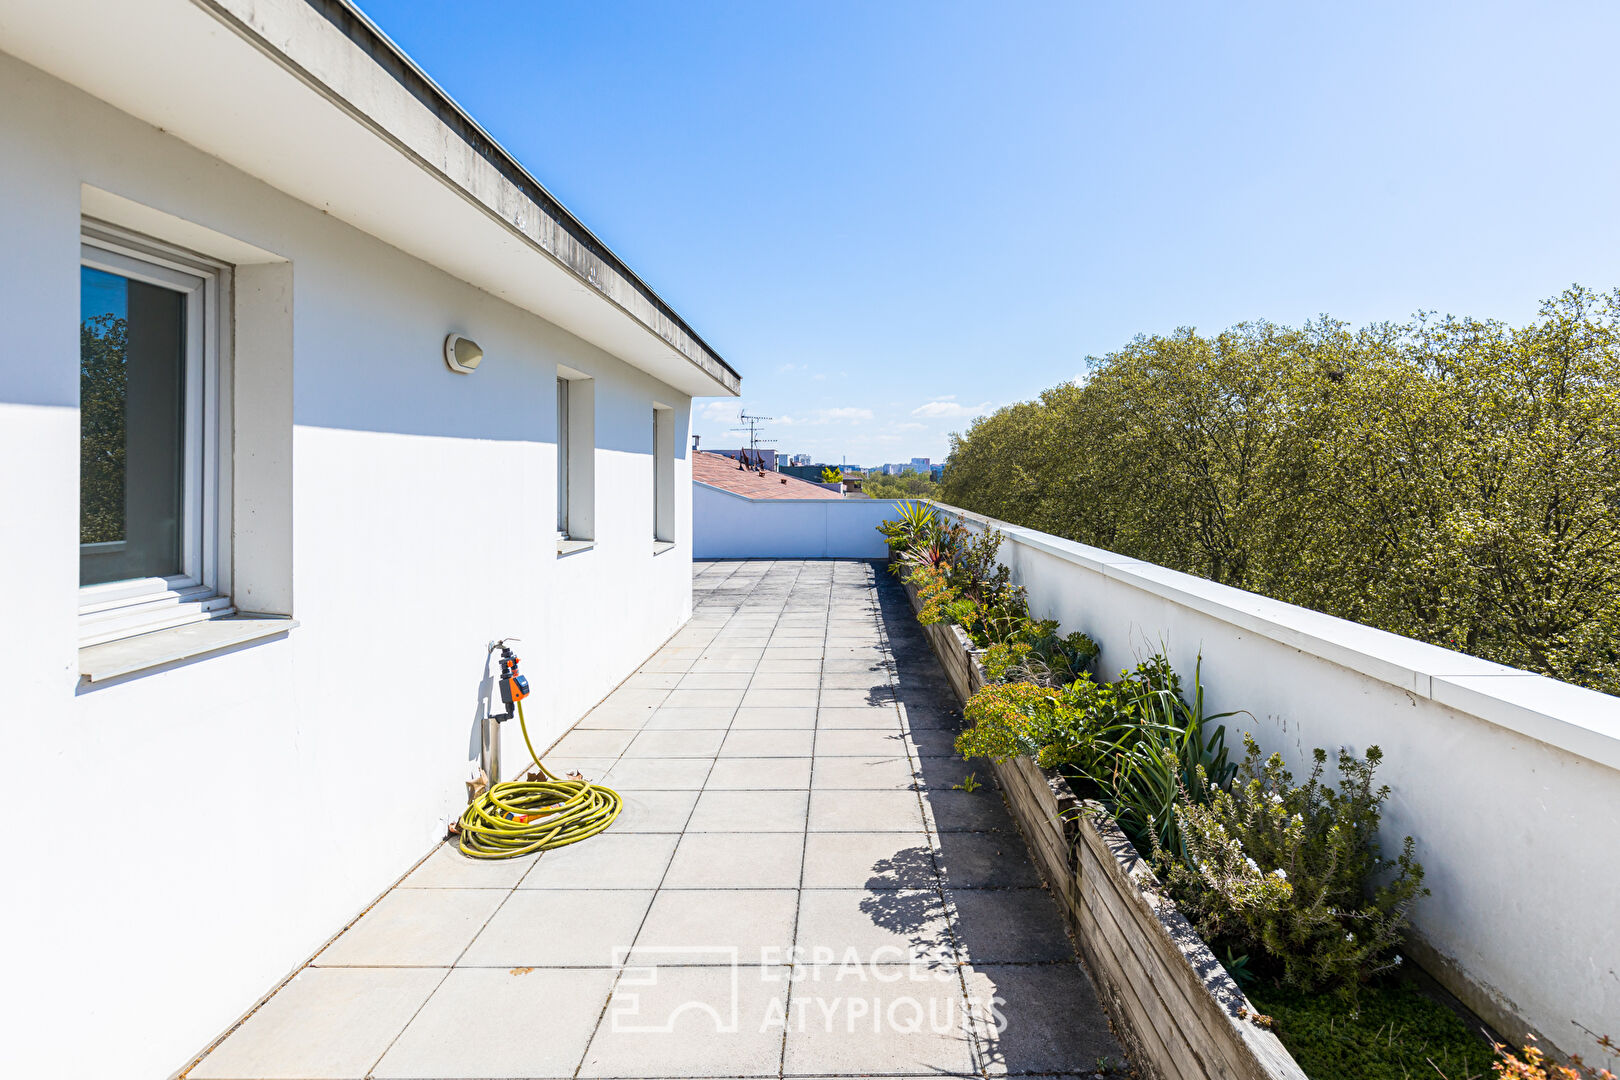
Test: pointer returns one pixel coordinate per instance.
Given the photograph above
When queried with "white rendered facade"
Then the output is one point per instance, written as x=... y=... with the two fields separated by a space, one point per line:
x=393 y=515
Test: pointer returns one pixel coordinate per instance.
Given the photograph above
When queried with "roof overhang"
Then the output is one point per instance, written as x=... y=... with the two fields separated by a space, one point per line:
x=362 y=133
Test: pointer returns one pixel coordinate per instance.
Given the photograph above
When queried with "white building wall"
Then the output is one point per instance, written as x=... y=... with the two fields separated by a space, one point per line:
x=728 y=526
x=1508 y=781
x=188 y=836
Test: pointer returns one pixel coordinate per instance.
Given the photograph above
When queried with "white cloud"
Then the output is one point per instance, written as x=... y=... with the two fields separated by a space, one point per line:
x=723 y=412
x=949 y=409
x=910 y=425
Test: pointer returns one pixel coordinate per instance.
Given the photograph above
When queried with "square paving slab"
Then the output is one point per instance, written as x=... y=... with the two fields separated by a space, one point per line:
x=794 y=887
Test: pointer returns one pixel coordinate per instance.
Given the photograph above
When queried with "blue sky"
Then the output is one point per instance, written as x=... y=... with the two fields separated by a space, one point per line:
x=101 y=293
x=892 y=216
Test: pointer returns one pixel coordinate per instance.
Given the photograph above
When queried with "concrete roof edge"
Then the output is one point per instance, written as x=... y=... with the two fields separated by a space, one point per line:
x=818 y=502
x=591 y=261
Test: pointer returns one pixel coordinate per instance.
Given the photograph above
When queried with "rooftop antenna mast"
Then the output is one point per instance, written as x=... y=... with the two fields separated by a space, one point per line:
x=754 y=440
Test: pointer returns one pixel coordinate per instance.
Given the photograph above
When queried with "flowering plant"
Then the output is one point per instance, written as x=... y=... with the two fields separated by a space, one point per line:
x=1531 y=1064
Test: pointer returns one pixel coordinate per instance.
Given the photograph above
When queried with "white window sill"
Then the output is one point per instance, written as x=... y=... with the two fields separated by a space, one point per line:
x=97 y=663
x=661 y=546
x=569 y=547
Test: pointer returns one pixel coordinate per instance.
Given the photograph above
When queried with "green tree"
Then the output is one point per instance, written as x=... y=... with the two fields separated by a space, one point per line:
x=102 y=344
x=909 y=484
x=1453 y=480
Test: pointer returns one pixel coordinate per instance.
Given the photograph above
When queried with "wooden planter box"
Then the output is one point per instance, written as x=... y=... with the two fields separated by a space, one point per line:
x=956 y=653
x=1178 y=1012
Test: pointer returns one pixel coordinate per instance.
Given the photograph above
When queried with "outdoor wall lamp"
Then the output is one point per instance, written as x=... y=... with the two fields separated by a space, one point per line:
x=462 y=354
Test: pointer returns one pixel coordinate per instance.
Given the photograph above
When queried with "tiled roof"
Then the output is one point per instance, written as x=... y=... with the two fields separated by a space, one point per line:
x=722 y=472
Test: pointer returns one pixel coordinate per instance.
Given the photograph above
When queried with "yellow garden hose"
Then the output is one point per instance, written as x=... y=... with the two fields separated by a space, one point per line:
x=517 y=817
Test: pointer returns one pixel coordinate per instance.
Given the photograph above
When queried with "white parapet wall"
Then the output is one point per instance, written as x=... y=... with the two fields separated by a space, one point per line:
x=730 y=526
x=1508 y=781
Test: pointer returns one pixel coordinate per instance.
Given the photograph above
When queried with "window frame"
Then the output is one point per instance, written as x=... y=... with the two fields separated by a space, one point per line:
x=576 y=461
x=564 y=459
x=117 y=609
x=663 y=464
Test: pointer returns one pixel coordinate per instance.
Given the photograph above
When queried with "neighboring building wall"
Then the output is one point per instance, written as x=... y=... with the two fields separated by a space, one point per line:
x=1510 y=782
x=189 y=835
x=727 y=526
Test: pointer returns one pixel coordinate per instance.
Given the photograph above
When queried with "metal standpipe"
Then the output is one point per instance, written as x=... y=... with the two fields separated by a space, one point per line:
x=489 y=757
x=489 y=738
x=510 y=818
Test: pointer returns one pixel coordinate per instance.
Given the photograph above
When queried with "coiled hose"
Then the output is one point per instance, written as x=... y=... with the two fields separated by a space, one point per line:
x=517 y=817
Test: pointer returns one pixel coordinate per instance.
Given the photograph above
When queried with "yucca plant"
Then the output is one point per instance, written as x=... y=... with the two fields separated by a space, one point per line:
x=916 y=521
x=916 y=518
x=1161 y=748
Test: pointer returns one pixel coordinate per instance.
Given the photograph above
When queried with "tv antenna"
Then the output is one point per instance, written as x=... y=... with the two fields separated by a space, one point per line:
x=752 y=429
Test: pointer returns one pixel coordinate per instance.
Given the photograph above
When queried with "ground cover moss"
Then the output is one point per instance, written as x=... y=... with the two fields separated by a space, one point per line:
x=1393 y=1031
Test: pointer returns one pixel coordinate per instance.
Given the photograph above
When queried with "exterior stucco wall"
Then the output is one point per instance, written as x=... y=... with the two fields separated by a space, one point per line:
x=1524 y=920
x=329 y=760
x=727 y=526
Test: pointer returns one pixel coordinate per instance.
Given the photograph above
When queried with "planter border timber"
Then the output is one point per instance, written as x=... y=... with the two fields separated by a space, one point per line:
x=1178 y=1012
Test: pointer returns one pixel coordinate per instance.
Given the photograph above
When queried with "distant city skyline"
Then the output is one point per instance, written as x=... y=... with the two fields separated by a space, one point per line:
x=772 y=458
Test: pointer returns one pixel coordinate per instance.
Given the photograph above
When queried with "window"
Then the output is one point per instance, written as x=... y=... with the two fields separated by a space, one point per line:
x=152 y=437
x=562 y=459
x=663 y=463
x=576 y=459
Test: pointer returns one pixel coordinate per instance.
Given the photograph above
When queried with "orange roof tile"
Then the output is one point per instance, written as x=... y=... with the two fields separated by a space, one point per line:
x=722 y=472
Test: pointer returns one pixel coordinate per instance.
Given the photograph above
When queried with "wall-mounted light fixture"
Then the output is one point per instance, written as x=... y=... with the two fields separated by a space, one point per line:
x=462 y=354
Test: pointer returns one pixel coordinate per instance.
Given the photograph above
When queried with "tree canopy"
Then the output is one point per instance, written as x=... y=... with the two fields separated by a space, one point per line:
x=1454 y=480
x=908 y=484
x=103 y=341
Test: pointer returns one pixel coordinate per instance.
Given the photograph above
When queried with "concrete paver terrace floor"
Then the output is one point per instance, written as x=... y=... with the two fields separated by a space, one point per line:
x=796 y=888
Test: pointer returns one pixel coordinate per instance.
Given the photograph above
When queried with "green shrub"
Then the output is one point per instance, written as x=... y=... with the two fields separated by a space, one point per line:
x=1009 y=719
x=1034 y=652
x=1057 y=726
x=1004 y=661
x=960 y=581
x=1295 y=874
x=939 y=601
x=999 y=609
x=1136 y=744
